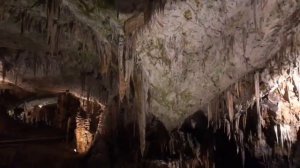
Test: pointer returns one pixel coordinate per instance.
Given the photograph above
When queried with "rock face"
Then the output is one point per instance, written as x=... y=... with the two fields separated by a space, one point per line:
x=189 y=52
x=193 y=50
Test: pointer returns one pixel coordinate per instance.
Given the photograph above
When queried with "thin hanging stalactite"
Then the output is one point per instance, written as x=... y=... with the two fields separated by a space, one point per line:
x=257 y=98
x=141 y=97
x=254 y=2
x=121 y=61
x=2 y=70
x=229 y=98
x=53 y=14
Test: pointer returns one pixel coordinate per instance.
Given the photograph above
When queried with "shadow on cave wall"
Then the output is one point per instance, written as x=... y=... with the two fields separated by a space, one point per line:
x=130 y=6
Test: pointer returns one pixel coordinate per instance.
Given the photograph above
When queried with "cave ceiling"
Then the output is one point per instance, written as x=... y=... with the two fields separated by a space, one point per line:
x=188 y=52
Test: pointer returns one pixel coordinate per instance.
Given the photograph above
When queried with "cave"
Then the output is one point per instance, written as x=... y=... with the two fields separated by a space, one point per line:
x=150 y=83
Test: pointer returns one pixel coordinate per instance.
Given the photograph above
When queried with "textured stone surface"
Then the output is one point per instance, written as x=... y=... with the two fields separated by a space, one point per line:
x=194 y=49
x=188 y=53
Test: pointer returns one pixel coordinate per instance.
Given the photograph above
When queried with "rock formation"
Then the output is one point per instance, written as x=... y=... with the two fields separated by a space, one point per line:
x=202 y=76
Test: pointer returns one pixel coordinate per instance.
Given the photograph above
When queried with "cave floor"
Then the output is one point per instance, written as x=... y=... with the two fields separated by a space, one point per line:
x=27 y=146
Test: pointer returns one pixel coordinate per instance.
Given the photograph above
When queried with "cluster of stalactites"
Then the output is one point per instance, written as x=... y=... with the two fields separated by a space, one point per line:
x=228 y=109
x=126 y=64
x=281 y=77
x=84 y=138
x=130 y=72
x=34 y=112
x=53 y=14
x=60 y=28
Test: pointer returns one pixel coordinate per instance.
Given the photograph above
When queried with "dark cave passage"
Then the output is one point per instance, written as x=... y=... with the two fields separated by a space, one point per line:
x=41 y=129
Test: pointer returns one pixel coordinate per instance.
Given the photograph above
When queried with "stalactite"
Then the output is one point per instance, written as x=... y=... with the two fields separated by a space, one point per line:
x=276 y=133
x=229 y=100
x=126 y=64
x=280 y=75
x=245 y=120
x=296 y=82
x=22 y=21
x=237 y=121
x=243 y=157
x=237 y=89
x=2 y=70
x=228 y=128
x=257 y=97
x=53 y=14
x=255 y=13
x=129 y=62
x=104 y=50
x=141 y=101
x=121 y=61
x=213 y=115
x=209 y=114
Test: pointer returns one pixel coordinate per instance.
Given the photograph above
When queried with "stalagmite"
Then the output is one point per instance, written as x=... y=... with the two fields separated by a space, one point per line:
x=257 y=97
